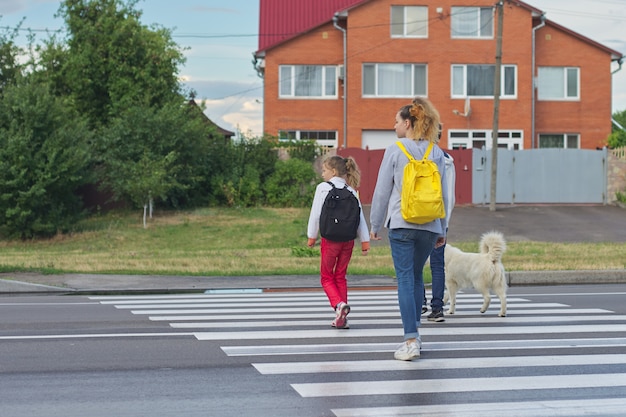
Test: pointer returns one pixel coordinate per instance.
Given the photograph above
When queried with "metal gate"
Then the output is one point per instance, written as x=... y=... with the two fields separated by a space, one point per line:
x=556 y=176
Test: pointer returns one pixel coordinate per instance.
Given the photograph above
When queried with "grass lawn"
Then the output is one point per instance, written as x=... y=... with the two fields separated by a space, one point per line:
x=251 y=241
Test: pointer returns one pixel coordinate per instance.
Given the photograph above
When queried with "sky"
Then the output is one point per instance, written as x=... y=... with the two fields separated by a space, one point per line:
x=221 y=37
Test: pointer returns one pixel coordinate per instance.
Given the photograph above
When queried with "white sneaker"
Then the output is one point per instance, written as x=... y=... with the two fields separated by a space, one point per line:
x=342 y=312
x=345 y=325
x=407 y=351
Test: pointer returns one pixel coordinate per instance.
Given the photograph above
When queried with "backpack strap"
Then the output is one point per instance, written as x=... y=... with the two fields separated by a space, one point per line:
x=408 y=155
x=401 y=146
x=430 y=148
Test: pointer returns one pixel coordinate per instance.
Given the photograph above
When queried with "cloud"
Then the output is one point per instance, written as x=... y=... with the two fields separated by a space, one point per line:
x=204 y=9
x=13 y=6
x=243 y=114
x=221 y=89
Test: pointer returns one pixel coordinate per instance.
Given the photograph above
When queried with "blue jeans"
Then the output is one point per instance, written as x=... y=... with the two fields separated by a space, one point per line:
x=439 y=278
x=409 y=249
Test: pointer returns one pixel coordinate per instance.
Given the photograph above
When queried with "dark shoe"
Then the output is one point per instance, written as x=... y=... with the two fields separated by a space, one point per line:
x=424 y=309
x=436 y=316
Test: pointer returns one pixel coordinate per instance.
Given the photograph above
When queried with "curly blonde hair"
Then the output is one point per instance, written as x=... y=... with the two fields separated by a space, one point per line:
x=424 y=119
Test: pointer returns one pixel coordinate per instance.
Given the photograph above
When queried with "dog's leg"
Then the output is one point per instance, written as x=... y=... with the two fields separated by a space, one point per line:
x=452 y=289
x=500 y=290
x=486 y=298
x=502 y=296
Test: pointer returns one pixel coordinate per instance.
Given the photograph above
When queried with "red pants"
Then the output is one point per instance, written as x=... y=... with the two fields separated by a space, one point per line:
x=333 y=267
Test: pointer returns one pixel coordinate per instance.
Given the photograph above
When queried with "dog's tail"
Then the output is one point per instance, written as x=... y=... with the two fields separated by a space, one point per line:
x=494 y=244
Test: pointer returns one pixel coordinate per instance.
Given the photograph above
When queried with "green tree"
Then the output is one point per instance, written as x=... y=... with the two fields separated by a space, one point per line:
x=172 y=137
x=617 y=138
x=242 y=169
x=143 y=180
x=116 y=63
x=10 y=68
x=43 y=161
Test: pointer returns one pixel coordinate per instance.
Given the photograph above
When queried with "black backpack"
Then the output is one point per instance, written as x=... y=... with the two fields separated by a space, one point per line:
x=341 y=215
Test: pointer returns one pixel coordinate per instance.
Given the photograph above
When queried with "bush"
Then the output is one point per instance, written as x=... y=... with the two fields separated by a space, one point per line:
x=617 y=139
x=305 y=150
x=292 y=184
x=43 y=162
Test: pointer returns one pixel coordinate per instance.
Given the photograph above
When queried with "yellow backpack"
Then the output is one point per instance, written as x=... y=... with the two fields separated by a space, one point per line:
x=422 y=200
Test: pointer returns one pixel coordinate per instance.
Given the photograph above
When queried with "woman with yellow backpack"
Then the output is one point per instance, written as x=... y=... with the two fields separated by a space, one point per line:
x=417 y=127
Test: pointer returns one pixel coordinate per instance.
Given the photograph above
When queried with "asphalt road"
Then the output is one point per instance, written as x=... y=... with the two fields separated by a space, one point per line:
x=547 y=223
x=274 y=355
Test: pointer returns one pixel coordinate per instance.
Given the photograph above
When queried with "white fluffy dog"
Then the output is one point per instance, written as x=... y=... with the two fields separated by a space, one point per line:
x=483 y=271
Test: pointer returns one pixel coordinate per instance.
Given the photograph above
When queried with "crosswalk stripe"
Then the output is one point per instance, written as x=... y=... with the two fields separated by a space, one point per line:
x=355 y=348
x=274 y=303
x=446 y=363
x=313 y=295
x=318 y=293
x=191 y=309
x=261 y=298
x=605 y=407
x=424 y=386
x=290 y=322
x=457 y=317
x=424 y=331
x=322 y=300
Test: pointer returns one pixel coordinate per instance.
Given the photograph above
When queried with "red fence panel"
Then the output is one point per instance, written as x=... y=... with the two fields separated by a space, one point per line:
x=369 y=163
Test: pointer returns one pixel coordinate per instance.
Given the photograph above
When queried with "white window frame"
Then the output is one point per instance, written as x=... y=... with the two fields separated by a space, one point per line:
x=458 y=88
x=288 y=80
x=545 y=81
x=411 y=89
x=482 y=26
x=469 y=139
x=409 y=27
x=566 y=138
x=296 y=135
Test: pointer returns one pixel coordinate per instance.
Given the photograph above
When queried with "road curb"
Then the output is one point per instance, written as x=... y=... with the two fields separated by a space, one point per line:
x=87 y=284
x=566 y=277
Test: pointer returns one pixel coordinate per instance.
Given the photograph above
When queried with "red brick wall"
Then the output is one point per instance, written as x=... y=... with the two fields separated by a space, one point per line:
x=369 y=28
x=369 y=40
x=591 y=116
x=322 y=46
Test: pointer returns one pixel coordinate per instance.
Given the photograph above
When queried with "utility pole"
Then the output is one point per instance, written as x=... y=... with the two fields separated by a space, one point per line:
x=496 y=106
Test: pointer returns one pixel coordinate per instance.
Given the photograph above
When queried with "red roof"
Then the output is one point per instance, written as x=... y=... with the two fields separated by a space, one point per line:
x=280 y=20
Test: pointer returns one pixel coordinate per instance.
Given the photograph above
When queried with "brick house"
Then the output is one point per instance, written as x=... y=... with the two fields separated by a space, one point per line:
x=338 y=70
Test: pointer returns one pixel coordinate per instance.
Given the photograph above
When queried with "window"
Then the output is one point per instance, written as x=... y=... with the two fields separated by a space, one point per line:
x=478 y=81
x=558 y=83
x=567 y=141
x=323 y=137
x=409 y=22
x=394 y=80
x=468 y=139
x=472 y=22
x=316 y=81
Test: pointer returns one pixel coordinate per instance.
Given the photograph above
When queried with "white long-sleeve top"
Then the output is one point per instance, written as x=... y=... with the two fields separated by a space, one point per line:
x=450 y=179
x=321 y=191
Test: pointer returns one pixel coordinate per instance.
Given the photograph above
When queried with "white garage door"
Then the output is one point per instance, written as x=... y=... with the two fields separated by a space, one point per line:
x=378 y=139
